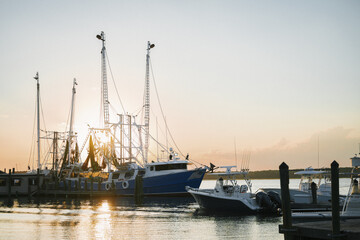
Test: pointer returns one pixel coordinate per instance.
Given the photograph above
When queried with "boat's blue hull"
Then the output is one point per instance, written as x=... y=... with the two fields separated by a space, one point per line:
x=169 y=184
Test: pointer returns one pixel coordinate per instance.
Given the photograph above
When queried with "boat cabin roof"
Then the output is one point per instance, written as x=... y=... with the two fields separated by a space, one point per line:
x=310 y=171
x=228 y=174
x=168 y=162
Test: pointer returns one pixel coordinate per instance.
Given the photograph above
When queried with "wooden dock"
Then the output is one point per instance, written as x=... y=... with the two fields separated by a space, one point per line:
x=350 y=229
x=75 y=194
x=331 y=229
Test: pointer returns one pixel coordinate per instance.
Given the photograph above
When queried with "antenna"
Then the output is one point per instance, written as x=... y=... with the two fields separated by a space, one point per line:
x=235 y=152
x=318 y=151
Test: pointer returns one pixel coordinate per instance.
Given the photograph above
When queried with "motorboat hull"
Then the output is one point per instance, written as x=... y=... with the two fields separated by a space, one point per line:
x=213 y=203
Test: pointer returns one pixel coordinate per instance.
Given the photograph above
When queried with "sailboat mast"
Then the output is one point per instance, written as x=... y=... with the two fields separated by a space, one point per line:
x=71 y=118
x=147 y=100
x=38 y=116
x=104 y=92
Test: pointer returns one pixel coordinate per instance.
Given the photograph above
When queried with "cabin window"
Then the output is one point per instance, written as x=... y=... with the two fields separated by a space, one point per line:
x=32 y=181
x=152 y=168
x=115 y=175
x=170 y=166
x=16 y=182
x=2 y=181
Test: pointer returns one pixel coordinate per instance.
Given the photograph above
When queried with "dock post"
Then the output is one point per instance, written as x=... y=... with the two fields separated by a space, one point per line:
x=69 y=185
x=9 y=184
x=335 y=209
x=85 y=186
x=56 y=183
x=91 y=185
x=139 y=191
x=29 y=187
x=314 y=192
x=38 y=179
x=286 y=228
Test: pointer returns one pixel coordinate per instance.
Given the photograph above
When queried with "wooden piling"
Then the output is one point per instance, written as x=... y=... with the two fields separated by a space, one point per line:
x=29 y=186
x=139 y=191
x=91 y=186
x=335 y=209
x=69 y=185
x=56 y=183
x=38 y=179
x=9 y=183
x=314 y=193
x=85 y=186
x=286 y=228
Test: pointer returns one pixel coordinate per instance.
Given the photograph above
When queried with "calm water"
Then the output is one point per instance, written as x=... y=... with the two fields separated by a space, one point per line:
x=121 y=218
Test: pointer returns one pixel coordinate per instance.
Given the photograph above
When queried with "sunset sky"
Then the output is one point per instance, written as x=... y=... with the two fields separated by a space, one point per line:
x=280 y=77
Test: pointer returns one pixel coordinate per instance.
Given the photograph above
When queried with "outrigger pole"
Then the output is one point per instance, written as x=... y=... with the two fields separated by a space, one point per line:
x=147 y=100
x=71 y=118
x=104 y=80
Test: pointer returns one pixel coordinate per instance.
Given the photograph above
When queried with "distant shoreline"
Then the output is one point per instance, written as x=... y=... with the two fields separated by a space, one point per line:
x=274 y=174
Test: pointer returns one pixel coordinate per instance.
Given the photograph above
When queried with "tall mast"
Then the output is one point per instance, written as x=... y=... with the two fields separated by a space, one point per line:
x=147 y=100
x=38 y=115
x=104 y=92
x=71 y=118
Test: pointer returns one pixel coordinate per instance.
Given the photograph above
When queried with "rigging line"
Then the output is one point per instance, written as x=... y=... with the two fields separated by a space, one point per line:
x=32 y=139
x=137 y=111
x=112 y=77
x=112 y=107
x=248 y=159
x=166 y=150
x=242 y=159
x=159 y=127
x=235 y=153
x=162 y=112
x=42 y=113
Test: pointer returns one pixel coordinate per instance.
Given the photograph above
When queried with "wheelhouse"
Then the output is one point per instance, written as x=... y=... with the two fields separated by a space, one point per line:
x=164 y=166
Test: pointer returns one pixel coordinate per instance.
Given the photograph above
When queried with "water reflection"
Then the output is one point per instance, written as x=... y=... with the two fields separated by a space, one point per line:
x=122 y=218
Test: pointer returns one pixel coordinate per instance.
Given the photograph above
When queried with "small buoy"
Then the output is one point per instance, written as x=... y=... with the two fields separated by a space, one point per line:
x=125 y=184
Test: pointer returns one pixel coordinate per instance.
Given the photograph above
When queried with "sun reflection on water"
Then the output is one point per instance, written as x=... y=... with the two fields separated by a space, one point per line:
x=102 y=221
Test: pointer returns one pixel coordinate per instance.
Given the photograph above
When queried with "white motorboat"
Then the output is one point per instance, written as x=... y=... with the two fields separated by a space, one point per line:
x=303 y=195
x=229 y=196
x=351 y=206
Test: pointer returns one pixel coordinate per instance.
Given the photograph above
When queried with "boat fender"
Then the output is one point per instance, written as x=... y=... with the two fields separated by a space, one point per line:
x=125 y=184
x=108 y=186
x=275 y=198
